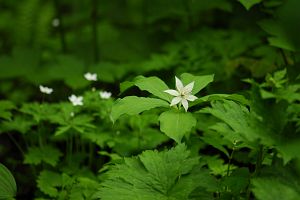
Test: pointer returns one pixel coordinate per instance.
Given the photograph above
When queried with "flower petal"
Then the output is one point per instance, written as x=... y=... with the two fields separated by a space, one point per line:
x=175 y=101
x=185 y=104
x=172 y=92
x=188 y=88
x=179 y=84
x=190 y=97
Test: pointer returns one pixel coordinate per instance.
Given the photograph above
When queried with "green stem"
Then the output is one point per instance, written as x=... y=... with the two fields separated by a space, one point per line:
x=274 y=157
x=229 y=162
x=77 y=144
x=17 y=144
x=91 y=153
x=71 y=146
x=259 y=160
x=284 y=57
x=22 y=152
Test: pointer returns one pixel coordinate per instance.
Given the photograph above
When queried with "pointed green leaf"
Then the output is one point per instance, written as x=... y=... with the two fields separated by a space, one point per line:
x=278 y=37
x=8 y=187
x=200 y=81
x=61 y=130
x=249 y=3
x=126 y=85
x=176 y=124
x=133 y=105
x=153 y=85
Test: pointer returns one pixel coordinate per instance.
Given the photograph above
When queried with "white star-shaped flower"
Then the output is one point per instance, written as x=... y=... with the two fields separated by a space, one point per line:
x=105 y=94
x=76 y=101
x=46 y=90
x=90 y=77
x=183 y=94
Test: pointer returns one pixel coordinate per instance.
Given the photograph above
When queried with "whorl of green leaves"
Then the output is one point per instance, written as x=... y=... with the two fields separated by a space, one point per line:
x=154 y=175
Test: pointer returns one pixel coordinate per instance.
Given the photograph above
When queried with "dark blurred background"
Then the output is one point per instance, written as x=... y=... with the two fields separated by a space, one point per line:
x=55 y=42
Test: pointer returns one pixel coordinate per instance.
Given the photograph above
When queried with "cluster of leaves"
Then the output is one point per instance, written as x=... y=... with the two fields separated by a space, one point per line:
x=238 y=140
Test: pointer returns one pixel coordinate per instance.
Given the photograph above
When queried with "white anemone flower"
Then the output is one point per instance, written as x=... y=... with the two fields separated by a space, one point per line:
x=46 y=90
x=105 y=94
x=90 y=77
x=182 y=94
x=76 y=101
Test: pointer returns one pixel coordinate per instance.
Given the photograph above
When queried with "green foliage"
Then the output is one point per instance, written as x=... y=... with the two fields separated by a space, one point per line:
x=176 y=124
x=241 y=134
x=5 y=107
x=169 y=174
x=153 y=85
x=133 y=105
x=63 y=186
x=278 y=36
x=246 y=125
x=200 y=81
x=270 y=188
x=48 y=181
x=47 y=154
x=8 y=187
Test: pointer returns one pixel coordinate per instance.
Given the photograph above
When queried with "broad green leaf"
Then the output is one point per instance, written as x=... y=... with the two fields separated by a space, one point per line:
x=48 y=182
x=153 y=85
x=278 y=36
x=133 y=105
x=272 y=188
x=47 y=154
x=212 y=97
x=281 y=42
x=200 y=81
x=176 y=124
x=289 y=149
x=126 y=85
x=8 y=187
x=249 y=3
x=156 y=175
x=243 y=122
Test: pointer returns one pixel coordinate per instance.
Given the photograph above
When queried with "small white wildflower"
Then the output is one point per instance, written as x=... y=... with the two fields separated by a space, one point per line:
x=90 y=77
x=72 y=114
x=76 y=101
x=183 y=94
x=46 y=90
x=55 y=22
x=105 y=94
